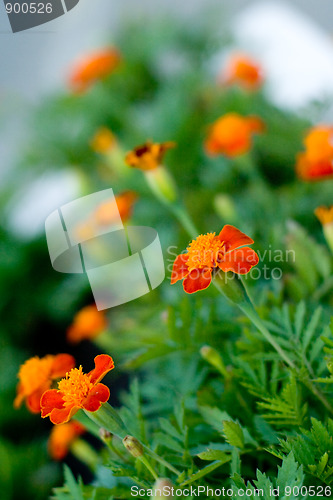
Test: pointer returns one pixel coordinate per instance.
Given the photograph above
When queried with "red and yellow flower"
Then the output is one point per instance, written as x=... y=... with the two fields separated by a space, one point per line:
x=92 y=67
x=316 y=162
x=106 y=214
x=231 y=135
x=36 y=376
x=243 y=71
x=62 y=437
x=208 y=253
x=77 y=391
x=148 y=156
x=88 y=324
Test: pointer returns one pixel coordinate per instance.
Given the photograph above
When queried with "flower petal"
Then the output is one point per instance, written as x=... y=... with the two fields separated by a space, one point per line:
x=179 y=269
x=198 y=279
x=33 y=400
x=19 y=396
x=61 y=416
x=103 y=364
x=98 y=395
x=62 y=364
x=233 y=238
x=239 y=261
x=51 y=399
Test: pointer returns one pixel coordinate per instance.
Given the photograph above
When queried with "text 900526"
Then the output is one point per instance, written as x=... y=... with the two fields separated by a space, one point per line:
x=25 y=14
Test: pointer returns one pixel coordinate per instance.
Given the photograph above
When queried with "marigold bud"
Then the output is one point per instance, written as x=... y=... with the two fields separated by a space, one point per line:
x=104 y=434
x=163 y=488
x=213 y=357
x=133 y=446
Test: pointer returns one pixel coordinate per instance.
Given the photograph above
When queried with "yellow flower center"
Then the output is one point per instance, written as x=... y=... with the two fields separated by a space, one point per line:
x=75 y=387
x=204 y=251
x=34 y=373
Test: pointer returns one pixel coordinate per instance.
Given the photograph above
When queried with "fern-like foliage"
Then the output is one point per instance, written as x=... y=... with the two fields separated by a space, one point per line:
x=314 y=449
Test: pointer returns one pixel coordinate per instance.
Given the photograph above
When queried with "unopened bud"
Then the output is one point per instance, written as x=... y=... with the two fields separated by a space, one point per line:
x=225 y=207
x=214 y=358
x=104 y=434
x=163 y=488
x=162 y=184
x=133 y=446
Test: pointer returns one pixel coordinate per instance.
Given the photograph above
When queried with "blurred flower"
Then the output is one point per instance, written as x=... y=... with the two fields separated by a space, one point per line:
x=62 y=437
x=103 y=141
x=105 y=213
x=243 y=71
x=317 y=161
x=87 y=324
x=78 y=390
x=148 y=156
x=92 y=67
x=325 y=216
x=208 y=253
x=231 y=135
x=36 y=376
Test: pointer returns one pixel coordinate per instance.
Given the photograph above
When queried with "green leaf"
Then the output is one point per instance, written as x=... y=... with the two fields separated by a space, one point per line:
x=211 y=454
x=233 y=433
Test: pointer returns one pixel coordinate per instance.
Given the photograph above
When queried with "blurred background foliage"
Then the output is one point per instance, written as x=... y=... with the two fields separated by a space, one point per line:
x=165 y=89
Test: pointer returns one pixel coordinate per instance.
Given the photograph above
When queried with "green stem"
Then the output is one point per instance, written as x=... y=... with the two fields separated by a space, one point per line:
x=231 y=288
x=108 y=418
x=161 y=460
x=323 y=289
x=316 y=392
x=256 y=320
x=180 y=213
x=146 y=463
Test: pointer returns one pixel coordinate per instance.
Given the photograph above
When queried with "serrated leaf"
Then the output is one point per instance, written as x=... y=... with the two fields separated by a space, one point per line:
x=233 y=433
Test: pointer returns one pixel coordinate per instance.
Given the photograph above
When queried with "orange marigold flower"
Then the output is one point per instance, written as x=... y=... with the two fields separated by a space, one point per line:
x=316 y=162
x=324 y=215
x=231 y=135
x=208 y=253
x=105 y=213
x=244 y=71
x=93 y=67
x=87 y=324
x=148 y=156
x=78 y=391
x=61 y=438
x=103 y=141
x=36 y=376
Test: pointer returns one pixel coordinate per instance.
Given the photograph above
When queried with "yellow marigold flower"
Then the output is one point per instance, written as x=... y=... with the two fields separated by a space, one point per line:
x=88 y=324
x=36 y=376
x=148 y=156
x=77 y=391
x=243 y=71
x=93 y=67
x=103 y=141
x=231 y=135
x=61 y=438
x=105 y=213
